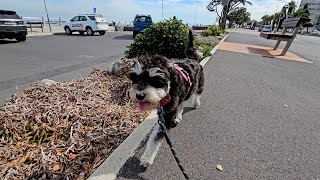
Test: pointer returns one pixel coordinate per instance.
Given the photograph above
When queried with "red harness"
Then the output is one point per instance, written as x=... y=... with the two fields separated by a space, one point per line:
x=186 y=77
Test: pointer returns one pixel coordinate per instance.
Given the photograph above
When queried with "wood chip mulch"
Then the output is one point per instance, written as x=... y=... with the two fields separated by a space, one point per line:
x=65 y=130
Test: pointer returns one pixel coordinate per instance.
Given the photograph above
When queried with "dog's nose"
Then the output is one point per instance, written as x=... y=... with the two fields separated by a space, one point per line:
x=140 y=96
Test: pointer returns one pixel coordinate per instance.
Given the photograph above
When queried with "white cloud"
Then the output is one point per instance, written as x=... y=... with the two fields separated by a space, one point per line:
x=260 y=8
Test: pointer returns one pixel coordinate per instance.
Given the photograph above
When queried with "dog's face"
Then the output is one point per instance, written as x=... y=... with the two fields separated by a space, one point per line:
x=150 y=84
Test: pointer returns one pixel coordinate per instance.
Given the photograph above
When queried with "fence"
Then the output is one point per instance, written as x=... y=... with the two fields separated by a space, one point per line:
x=53 y=21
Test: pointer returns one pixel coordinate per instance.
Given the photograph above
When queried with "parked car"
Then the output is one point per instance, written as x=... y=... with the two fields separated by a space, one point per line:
x=12 y=26
x=89 y=23
x=260 y=28
x=266 y=28
x=140 y=23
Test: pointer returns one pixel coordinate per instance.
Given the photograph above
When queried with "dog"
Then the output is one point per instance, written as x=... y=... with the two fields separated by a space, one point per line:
x=158 y=81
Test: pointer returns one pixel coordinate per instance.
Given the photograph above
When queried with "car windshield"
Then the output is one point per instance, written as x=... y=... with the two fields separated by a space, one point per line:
x=145 y=19
x=8 y=15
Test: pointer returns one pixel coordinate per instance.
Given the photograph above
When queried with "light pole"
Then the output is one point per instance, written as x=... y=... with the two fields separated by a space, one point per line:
x=162 y=9
x=45 y=5
x=195 y=17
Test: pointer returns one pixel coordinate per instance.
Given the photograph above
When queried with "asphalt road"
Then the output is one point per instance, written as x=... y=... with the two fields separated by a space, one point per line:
x=58 y=57
x=259 y=119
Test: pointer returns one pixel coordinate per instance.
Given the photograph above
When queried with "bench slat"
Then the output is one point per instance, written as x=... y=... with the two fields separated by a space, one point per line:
x=294 y=22
x=276 y=36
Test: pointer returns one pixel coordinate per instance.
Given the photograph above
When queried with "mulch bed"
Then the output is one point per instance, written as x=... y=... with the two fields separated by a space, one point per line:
x=65 y=130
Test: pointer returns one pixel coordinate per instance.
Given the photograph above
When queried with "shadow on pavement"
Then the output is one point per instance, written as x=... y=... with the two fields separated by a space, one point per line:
x=132 y=169
x=188 y=109
x=262 y=52
x=8 y=41
x=124 y=37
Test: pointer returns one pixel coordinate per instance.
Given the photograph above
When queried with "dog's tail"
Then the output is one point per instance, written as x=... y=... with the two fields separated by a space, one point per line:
x=191 y=51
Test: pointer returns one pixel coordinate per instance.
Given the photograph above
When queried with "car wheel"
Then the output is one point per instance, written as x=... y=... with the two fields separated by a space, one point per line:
x=102 y=33
x=81 y=32
x=90 y=31
x=21 y=38
x=68 y=30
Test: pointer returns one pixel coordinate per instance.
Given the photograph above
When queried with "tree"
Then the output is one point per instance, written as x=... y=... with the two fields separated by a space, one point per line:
x=266 y=19
x=238 y=16
x=303 y=12
x=292 y=8
x=232 y=4
x=307 y=25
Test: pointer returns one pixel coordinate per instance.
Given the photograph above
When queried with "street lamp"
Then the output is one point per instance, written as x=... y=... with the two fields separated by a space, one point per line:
x=45 y=5
x=162 y=9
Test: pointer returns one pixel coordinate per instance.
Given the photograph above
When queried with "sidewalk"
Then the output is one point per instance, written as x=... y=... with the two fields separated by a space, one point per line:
x=46 y=31
x=259 y=119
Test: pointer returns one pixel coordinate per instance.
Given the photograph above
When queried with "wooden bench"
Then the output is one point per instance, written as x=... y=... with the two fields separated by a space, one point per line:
x=32 y=23
x=295 y=23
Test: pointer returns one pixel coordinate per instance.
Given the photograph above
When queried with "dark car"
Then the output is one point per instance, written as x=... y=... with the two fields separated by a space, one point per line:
x=140 y=23
x=12 y=26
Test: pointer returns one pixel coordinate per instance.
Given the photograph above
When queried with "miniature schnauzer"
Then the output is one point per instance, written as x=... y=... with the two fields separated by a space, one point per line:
x=157 y=81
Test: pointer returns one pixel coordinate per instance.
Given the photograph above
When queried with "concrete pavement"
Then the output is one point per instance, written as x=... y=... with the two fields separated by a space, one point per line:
x=58 y=57
x=258 y=119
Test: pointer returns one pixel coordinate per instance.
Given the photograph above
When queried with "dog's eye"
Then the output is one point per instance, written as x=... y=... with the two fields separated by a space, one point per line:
x=157 y=82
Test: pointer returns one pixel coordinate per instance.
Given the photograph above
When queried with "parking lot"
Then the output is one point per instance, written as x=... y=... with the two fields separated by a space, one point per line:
x=57 y=57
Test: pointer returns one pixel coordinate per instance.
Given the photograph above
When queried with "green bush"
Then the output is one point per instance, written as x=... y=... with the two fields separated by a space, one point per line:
x=205 y=45
x=206 y=33
x=212 y=30
x=168 y=38
x=216 y=31
x=206 y=51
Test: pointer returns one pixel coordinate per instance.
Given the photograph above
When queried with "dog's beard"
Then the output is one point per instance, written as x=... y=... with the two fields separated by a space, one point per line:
x=152 y=97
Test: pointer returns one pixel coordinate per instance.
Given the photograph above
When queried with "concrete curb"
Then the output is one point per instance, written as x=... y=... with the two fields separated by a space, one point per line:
x=43 y=34
x=110 y=168
x=39 y=34
x=213 y=51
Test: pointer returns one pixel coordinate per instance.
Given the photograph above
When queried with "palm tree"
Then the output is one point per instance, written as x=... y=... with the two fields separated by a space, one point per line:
x=292 y=5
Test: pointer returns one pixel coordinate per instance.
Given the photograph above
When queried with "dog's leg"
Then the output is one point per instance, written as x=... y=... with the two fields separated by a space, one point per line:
x=196 y=100
x=153 y=145
x=179 y=112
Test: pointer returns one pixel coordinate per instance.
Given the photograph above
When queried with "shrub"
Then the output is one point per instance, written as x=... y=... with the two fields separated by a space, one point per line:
x=212 y=30
x=168 y=38
x=205 y=45
x=206 y=51
x=206 y=33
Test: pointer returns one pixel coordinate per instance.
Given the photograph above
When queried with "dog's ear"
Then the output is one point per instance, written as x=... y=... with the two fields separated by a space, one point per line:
x=160 y=61
x=135 y=70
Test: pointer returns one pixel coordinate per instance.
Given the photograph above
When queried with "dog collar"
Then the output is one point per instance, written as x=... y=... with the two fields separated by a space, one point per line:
x=165 y=100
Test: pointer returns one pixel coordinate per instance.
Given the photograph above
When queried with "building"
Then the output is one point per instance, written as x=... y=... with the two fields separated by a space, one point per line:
x=314 y=9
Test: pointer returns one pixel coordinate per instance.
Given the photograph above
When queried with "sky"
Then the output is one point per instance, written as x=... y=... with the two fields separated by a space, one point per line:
x=190 y=11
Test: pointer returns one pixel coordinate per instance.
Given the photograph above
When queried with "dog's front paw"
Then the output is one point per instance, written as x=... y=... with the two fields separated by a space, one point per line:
x=145 y=162
x=196 y=104
x=196 y=101
x=177 y=120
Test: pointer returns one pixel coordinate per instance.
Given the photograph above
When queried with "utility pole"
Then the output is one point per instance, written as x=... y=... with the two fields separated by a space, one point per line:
x=45 y=5
x=162 y=9
x=195 y=17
